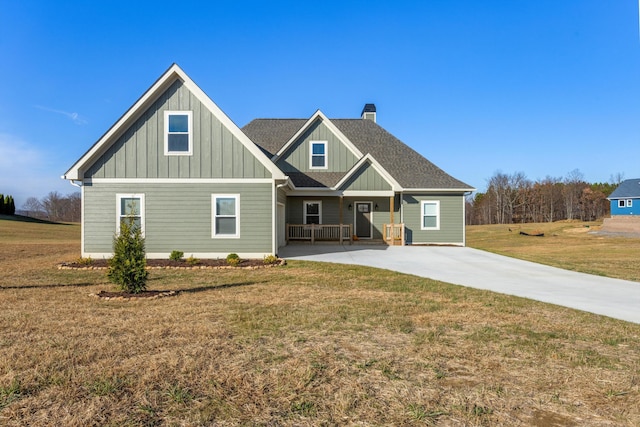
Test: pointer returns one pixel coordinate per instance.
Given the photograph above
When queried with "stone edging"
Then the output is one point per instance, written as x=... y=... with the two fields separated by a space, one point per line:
x=122 y=298
x=278 y=263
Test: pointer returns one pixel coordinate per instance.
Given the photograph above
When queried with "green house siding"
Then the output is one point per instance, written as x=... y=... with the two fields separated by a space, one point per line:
x=179 y=217
x=451 y=219
x=139 y=151
x=366 y=179
x=297 y=158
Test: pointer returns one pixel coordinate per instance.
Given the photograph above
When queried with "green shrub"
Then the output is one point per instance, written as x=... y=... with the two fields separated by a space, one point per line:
x=270 y=259
x=176 y=255
x=233 y=259
x=192 y=261
x=85 y=261
x=127 y=268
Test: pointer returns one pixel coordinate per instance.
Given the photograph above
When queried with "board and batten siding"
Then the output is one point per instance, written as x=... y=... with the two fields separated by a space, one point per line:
x=452 y=226
x=139 y=151
x=366 y=179
x=297 y=158
x=179 y=217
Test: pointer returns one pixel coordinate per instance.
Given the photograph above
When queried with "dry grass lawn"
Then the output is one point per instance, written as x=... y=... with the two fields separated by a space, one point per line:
x=566 y=244
x=303 y=344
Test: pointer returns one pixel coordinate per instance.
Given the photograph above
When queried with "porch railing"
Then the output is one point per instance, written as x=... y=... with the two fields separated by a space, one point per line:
x=320 y=232
x=394 y=234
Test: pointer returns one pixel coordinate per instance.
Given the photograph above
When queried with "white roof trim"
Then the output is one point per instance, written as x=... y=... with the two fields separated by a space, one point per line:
x=133 y=113
x=438 y=190
x=317 y=115
x=395 y=186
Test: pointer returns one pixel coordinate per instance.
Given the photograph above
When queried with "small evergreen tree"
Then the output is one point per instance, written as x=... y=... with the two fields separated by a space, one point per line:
x=127 y=268
x=12 y=206
x=2 y=204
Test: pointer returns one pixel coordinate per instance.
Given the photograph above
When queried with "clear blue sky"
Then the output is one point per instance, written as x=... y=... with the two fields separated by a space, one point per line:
x=535 y=86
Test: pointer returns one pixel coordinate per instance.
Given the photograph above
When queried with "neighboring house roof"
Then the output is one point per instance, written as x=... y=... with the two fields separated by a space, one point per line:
x=409 y=168
x=627 y=189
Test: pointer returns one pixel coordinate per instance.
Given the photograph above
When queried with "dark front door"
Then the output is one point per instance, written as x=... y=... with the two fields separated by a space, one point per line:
x=363 y=219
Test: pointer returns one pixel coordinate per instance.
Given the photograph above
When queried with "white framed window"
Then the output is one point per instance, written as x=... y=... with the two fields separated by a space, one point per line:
x=130 y=206
x=312 y=211
x=621 y=203
x=226 y=216
x=430 y=215
x=629 y=203
x=318 y=155
x=178 y=133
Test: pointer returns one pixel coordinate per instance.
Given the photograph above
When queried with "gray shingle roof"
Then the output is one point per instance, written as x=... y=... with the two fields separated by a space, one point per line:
x=406 y=165
x=628 y=188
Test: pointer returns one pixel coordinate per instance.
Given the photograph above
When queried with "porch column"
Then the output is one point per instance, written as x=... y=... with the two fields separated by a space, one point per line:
x=340 y=208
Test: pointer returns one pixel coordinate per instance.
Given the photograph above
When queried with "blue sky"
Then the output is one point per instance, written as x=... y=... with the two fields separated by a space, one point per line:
x=535 y=86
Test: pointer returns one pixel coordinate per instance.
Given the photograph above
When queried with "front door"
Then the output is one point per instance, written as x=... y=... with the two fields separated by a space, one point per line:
x=363 y=220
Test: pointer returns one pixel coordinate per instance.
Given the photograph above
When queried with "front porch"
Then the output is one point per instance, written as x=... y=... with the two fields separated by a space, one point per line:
x=393 y=234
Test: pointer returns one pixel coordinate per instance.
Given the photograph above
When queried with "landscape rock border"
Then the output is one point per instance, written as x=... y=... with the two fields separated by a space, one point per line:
x=253 y=266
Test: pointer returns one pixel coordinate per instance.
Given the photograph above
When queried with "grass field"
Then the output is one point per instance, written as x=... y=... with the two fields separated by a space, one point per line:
x=566 y=244
x=304 y=344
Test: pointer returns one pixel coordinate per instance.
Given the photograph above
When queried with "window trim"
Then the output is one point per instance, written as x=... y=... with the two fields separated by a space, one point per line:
x=189 y=133
x=629 y=203
x=304 y=210
x=621 y=203
x=422 y=215
x=119 y=215
x=214 y=197
x=325 y=155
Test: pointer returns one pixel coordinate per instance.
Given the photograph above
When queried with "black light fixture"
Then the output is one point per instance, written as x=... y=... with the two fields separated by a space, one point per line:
x=376 y=207
x=350 y=207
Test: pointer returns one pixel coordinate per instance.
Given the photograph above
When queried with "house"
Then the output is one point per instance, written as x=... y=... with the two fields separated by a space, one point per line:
x=195 y=182
x=624 y=197
x=625 y=208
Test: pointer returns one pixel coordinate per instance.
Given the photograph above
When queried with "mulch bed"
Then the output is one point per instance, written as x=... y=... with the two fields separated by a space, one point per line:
x=126 y=296
x=99 y=264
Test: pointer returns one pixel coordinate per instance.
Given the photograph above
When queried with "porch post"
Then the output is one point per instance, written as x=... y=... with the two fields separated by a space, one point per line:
x=391 y=202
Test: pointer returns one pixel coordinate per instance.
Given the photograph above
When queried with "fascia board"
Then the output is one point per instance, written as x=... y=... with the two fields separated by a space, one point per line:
x=395 y=186
x=130 y=115
x=438 y=190
x=276 y=173
x=317 y=115
x=133 y=113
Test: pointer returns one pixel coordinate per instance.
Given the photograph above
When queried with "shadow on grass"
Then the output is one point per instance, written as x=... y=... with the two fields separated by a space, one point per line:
x=217 y=287
x=22 y=218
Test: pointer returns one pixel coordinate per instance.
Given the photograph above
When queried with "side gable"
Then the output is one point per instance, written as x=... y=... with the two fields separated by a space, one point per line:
x=134 y=146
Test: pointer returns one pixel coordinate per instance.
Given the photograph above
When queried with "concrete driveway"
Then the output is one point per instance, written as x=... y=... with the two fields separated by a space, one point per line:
x=615 y=298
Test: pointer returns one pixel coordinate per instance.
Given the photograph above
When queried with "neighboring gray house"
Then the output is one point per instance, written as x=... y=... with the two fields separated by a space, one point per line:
x=195 y=182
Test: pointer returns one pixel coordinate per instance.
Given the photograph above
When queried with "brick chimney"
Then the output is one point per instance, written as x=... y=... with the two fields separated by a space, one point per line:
x=369 y=112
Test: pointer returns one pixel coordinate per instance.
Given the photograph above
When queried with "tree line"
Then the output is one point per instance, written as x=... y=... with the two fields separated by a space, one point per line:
x=54 y=207
x=7 y=205
x=513 y=198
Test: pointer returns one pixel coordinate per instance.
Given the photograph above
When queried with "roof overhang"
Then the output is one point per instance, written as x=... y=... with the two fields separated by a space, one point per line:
x=140 y=106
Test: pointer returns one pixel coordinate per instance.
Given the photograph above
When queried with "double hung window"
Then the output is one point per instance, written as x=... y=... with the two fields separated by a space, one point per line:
x=318 y=155
x=178 y=133
x=226 y=215
x=430 y=212
x=130 y=207
x=312 y=212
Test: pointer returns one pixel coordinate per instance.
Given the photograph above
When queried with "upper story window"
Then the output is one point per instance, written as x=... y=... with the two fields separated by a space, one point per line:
x=178 y=135
x=430 y=211
x=318 y=155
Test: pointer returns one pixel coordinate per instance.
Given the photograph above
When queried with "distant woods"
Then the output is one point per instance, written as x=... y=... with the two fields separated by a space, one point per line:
x=515 y=199
x=54 y=207
x=7 y=205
